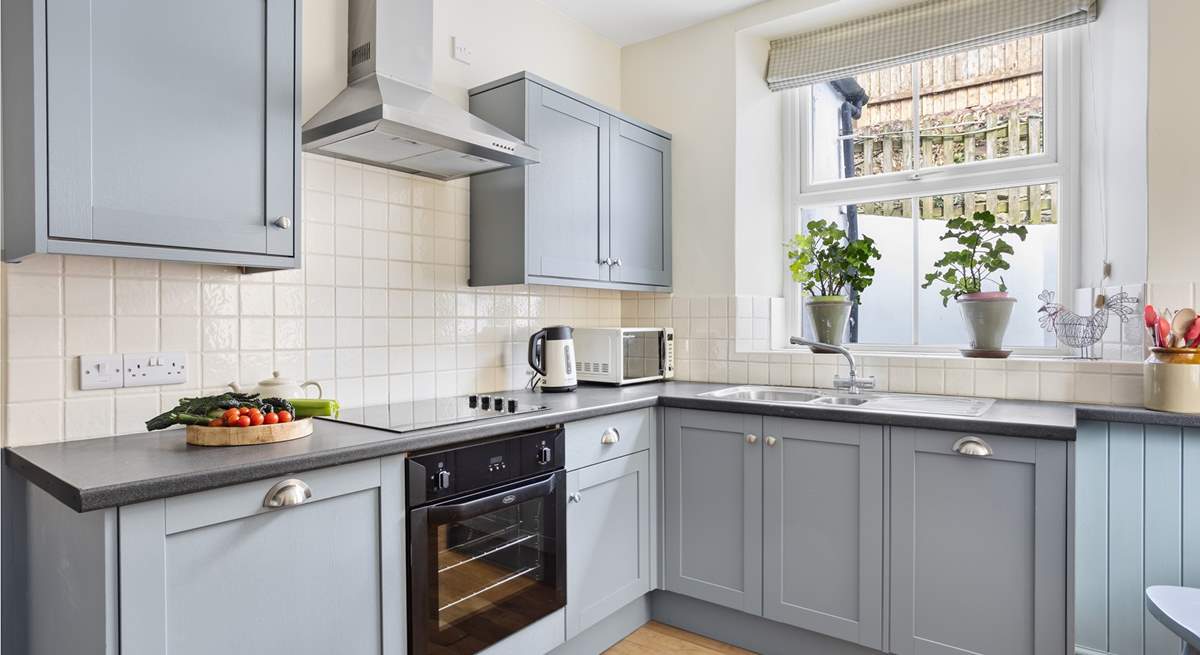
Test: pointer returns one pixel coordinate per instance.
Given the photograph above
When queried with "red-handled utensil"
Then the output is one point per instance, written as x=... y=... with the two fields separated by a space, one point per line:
x=1164 y=332
x=1151 y=316
x=1192 y=337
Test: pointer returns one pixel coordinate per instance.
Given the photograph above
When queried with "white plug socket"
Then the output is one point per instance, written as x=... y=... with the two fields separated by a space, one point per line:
x=101 y=372
x=460 y=51
x=152 y=369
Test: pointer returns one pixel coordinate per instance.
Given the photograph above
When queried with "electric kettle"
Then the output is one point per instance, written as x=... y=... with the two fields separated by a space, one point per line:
x=552 y=356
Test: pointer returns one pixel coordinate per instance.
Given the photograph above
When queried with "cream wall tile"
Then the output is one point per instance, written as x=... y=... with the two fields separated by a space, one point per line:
x=88 y=417
x=33 y=423
x=88 y=335
x=35 y=379
x=136 y=334
x=35 y=336
x=136 y=297
x=180 y=333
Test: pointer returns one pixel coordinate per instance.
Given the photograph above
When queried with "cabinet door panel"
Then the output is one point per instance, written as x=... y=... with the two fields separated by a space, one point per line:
x=159 y=117
x=568 y=196
x=978 y=546
x=713 y=508
x=823 y=528
x=608 y=539
x=640 y=214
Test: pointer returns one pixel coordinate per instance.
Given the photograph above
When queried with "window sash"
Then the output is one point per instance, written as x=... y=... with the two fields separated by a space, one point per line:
x=1058 y=164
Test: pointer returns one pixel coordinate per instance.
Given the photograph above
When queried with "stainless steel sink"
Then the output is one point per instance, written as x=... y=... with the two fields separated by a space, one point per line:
x=898 y=403
x=765 y=394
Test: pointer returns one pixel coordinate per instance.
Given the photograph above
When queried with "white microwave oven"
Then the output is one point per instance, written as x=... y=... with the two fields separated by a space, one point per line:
x=624 y=355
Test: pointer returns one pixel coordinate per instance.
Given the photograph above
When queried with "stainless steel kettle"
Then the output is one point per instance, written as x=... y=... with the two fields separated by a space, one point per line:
x=552 y=356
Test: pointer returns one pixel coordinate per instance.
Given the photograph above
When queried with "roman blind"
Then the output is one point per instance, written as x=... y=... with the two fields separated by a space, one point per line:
x=907 y=34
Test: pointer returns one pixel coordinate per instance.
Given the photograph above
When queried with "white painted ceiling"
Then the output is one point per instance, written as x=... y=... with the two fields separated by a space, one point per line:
x=632 y=21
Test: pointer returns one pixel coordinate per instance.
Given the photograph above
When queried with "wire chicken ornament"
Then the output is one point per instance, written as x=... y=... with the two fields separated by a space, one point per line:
x=1083 y=332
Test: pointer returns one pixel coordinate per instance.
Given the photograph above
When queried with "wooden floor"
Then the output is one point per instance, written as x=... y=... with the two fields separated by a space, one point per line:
x=659 y=638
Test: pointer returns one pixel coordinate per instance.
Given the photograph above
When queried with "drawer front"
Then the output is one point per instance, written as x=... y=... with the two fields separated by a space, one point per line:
x=242 y=500
x=606 y=437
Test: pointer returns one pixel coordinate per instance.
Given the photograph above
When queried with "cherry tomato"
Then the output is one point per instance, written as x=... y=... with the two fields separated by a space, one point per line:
x=256 y=418
x=285 y=416
x=271 y=418
x=216 y=423
x=243 y=410
x=243 y=421
x=230 y=415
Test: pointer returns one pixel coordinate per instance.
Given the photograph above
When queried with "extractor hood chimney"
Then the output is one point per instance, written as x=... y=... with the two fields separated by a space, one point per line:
x=388 y=116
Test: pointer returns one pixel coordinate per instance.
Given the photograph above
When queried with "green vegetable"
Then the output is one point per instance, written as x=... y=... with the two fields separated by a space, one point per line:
x=277 y=405
x=192 y=419
x=307 y=407
x=198 y=408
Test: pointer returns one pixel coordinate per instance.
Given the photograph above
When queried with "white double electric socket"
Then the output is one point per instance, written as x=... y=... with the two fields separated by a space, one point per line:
x=101 y=372
x=152 y=369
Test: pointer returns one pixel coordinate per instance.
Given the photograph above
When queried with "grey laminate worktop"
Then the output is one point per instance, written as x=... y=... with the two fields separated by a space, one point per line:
x=110 y=471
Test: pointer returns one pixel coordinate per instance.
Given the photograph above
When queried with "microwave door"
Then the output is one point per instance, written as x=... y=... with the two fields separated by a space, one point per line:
x=641 y=356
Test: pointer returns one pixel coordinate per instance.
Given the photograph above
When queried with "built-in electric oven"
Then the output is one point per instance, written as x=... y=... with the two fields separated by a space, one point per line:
x=487 y=540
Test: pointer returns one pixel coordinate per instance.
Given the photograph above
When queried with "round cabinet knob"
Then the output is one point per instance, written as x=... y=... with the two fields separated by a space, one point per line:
x=287 y=493
x=771 y=441
x=575 y=498
x=752 y=439
x=283 y=222
x=610 y=436
x=617 y=262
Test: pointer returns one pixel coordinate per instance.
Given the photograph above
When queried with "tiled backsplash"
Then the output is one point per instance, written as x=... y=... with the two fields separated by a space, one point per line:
x=380 y=312
x=725 y=339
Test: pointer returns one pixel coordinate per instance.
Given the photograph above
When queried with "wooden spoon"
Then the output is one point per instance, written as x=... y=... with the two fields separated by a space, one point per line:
x=1180 y=324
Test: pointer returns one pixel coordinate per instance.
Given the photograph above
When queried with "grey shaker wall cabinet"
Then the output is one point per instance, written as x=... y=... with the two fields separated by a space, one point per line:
x=595 y=212
x=608 y=538
x=217 y=572
x=823 y=528
x=978 y=545
x=162 y=129
x=713 y=507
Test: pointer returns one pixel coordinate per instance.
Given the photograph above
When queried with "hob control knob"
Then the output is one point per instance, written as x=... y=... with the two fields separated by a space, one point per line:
x=498 y=403
x=485 y=402
x=512 y=405
x=545 y=455
x=441 y=479
x=472 y=401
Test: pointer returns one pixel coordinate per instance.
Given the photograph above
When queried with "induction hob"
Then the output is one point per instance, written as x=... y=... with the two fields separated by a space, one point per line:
x=404 y=417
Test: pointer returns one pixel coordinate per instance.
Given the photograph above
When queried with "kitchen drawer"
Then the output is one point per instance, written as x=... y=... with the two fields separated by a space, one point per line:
x=243 y=500
x=633 y=431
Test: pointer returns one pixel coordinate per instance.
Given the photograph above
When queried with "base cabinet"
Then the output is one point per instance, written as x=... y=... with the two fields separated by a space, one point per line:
x=216 y=572
x=823 y=528
x=979 y=545
x=608 y=538
x=712 y=507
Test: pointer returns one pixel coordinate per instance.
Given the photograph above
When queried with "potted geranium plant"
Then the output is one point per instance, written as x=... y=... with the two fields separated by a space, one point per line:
x=828 y=265
x=966 y=270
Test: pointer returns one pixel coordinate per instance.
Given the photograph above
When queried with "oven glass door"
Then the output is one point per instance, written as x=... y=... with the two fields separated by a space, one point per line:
x=487 y=565
x=642 y=353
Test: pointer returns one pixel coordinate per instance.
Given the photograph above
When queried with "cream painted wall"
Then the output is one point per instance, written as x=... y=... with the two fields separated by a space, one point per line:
x=505 y=37
x=1174 y=168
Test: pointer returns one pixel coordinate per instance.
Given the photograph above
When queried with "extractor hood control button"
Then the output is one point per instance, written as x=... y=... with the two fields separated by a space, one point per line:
x=512 y=405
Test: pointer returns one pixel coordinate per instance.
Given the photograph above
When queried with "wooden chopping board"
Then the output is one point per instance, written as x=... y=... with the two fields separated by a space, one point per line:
x=198 y=435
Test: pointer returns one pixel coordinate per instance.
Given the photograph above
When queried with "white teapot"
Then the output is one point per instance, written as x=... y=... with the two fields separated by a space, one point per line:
x=279 y=387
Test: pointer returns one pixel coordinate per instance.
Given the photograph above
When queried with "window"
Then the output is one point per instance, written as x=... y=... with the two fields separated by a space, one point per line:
x=895 y=152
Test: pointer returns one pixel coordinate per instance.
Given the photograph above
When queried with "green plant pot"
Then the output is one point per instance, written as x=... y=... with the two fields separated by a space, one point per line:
x=829 y=316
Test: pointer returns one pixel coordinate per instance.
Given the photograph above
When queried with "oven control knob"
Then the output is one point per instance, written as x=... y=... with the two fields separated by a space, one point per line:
x=441 y=479
x=472 y=401
x=512 y=405
x=545 y=455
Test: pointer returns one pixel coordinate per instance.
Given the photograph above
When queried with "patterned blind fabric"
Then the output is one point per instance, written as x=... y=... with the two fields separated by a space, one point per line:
x=915 y=32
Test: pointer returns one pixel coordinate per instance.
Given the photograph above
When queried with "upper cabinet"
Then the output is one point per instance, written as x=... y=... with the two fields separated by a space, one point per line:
x=162 y=129
x=596 y=212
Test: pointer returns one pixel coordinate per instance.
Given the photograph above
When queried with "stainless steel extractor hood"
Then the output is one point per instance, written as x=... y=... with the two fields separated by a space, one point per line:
x=388 y=115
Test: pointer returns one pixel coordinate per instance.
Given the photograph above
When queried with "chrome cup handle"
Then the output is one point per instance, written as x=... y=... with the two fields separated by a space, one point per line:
x=287 y=493
x=610 y=436
x=973 y=447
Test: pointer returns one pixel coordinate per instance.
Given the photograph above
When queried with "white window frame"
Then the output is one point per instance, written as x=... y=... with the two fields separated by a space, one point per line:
x=1058 y=164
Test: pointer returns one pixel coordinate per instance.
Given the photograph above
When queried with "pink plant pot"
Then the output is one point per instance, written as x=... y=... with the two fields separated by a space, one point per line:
x=984 y=295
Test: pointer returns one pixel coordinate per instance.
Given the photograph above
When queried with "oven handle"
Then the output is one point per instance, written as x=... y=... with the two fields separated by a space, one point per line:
x=440 y=514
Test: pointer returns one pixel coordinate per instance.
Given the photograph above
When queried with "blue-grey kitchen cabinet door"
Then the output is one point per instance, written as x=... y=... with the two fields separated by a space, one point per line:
x=712 y=507
x=978 y=545
x=567 y=224
x=823 y=528
x=171 y=124
x=608 y=538
x=640 y=206
x=216 y=572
